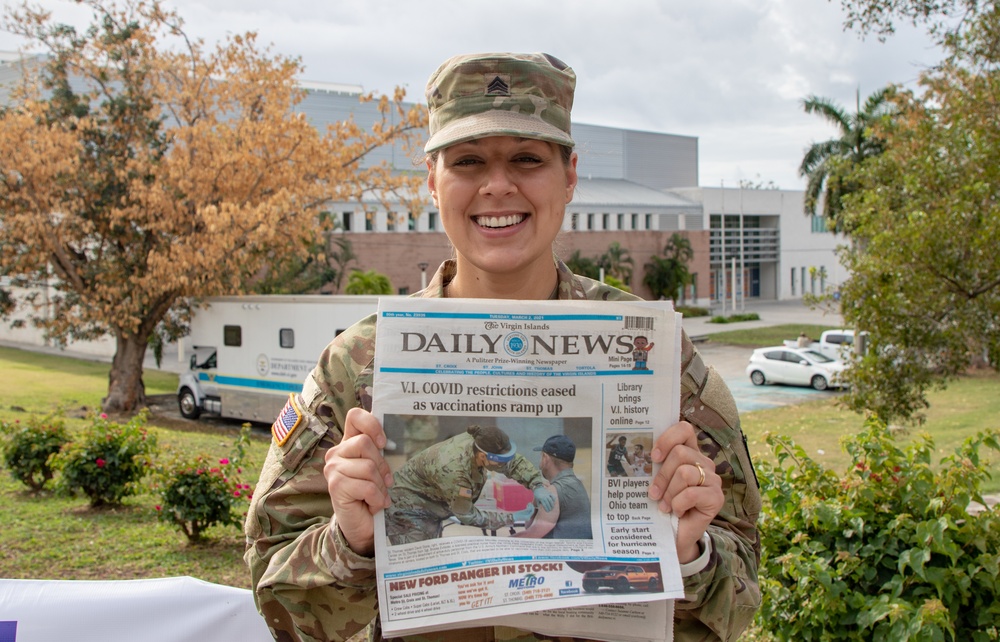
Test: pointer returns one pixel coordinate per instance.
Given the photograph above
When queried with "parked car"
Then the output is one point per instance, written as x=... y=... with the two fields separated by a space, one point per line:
x=836 y=344
x=796 y=366
x=622 y=578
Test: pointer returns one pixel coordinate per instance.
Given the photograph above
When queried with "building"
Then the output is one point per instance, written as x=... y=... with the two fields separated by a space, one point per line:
x=637 y=188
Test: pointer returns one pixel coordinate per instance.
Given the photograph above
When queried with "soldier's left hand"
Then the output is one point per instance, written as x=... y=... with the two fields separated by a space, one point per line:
x=686 y=485
x=358 y=480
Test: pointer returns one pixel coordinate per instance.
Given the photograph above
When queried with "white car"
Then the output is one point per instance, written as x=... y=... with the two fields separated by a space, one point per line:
x=796 y=366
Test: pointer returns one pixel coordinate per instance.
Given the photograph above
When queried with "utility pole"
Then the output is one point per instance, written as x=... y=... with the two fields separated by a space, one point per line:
x=722 y=243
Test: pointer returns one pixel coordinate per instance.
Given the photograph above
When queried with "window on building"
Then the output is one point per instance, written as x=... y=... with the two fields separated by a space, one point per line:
x=793 y=281
x=286 y=338
x=232 y=335
x=819 y=224
x=390 y=221
x=404 y=290
x=605 y=221
x=574 y=221
x=802 y=280
x=345 y=221
x=369 y=221
x=635 y=222
x=648 y=223
x=621 y=221
x=411 y=221
x=590 y=221
x=432 y=221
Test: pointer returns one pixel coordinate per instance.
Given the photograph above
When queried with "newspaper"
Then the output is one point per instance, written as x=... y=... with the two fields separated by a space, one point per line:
x=459 y=546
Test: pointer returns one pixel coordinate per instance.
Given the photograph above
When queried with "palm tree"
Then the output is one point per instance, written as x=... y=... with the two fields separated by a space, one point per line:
x=370 y=282
x=827 y=164
x=583 y=265
x=667 y=274
x=617 y=262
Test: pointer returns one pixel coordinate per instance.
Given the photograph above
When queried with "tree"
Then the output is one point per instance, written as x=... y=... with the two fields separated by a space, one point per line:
x=370 y=282
x=667 y=274
x=828 y=164
x=342 y=256
x=583 y=265
x=143 y=169
x=925 y=278
x=617 y=262
x=944 y=18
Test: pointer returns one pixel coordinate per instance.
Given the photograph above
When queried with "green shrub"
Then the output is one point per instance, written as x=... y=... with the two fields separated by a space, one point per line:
x=691 y=311
x=30 y=446
x=198 y=493
x=107 y=459
x=887 y=552
x=733 y=318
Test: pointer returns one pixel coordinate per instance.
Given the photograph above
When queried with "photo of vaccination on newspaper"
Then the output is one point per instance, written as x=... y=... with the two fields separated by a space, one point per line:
x=519 y=441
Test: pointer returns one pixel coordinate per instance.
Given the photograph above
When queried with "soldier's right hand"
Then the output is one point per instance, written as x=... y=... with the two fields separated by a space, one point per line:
x=358 y=480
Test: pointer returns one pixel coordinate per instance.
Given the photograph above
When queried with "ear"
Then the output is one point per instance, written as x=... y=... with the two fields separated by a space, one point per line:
x=571 y=177
x=432 y=182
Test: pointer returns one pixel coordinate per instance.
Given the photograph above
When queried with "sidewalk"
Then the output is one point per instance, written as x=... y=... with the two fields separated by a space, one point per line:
x=771 y=313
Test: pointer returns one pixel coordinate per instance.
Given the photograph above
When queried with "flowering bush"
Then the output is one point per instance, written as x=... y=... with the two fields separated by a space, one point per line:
x=198 y=493
x=30 y=447
x=107 y=460
x=888 y=551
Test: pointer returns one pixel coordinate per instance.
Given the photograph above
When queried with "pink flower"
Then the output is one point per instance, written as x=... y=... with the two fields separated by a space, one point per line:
x=158 y=507
x=236 y=493
x=100 y=462
x=104 y=415
x=224 y=461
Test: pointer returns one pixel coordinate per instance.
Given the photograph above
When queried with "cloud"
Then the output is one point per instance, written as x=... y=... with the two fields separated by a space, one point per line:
x=730 y=72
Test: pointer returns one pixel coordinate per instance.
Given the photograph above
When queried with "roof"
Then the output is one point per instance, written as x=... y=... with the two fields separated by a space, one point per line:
x=616 y=193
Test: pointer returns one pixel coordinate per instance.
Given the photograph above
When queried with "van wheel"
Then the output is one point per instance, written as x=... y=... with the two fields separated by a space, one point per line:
x=188 y=404
x=819 y=382
x=757 y=377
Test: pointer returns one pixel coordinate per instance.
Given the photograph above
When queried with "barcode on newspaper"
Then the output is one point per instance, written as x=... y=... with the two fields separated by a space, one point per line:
x=638 y=323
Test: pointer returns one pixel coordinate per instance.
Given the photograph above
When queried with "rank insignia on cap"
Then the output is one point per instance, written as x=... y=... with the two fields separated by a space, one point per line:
x=499 y=86
x=286 y=423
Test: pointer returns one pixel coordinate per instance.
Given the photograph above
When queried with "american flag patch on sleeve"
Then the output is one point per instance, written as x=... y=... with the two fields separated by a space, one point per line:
x=286 y=423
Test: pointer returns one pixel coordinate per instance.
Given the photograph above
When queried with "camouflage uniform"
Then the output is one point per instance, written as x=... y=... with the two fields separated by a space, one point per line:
x=309 y=585
x=443 y=481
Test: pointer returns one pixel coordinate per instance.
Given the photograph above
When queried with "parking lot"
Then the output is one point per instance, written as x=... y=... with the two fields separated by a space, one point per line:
x=731 y=363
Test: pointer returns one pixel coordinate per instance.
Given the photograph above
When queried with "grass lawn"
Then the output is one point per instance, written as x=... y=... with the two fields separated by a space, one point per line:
x=46 y=536
x=967 y=406
x=768 y=336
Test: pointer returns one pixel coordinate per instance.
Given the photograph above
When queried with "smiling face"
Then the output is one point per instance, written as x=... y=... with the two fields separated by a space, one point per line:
x=502 y=200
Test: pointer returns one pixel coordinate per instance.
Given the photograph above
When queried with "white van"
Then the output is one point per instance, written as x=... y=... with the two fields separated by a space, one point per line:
x=250 y=352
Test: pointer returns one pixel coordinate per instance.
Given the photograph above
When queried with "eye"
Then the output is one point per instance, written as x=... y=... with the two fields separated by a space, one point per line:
x=466 y=161
x=527 y=159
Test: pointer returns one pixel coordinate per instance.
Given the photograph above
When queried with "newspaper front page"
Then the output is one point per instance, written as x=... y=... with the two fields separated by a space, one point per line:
x=547 y=526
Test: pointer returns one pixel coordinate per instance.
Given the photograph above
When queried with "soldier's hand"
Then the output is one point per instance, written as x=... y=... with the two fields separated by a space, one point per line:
x=686 y=485
x=358 y=480
x=545 y=498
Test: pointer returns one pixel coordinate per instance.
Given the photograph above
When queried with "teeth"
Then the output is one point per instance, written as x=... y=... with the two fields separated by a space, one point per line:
x=499 y=221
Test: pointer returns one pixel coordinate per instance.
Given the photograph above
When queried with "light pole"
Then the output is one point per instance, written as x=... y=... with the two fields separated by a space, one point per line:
x=423 y=274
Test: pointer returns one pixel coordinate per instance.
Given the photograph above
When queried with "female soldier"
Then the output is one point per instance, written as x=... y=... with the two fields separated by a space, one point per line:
x=446 y=480
x=501 y=170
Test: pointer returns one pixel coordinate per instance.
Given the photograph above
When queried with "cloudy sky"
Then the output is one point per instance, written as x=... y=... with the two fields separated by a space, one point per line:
x=732 y=73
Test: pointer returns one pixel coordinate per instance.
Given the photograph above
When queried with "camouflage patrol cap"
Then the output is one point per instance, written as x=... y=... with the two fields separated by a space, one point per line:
x=500 y=94
x=493 y=442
